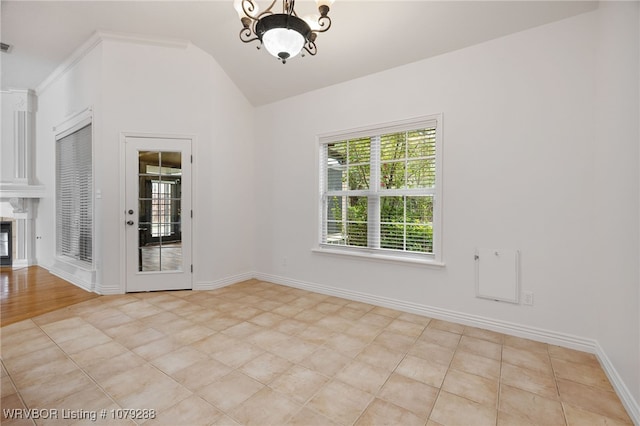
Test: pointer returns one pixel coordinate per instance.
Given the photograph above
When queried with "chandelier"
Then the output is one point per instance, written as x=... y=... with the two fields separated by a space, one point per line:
x=285 y=34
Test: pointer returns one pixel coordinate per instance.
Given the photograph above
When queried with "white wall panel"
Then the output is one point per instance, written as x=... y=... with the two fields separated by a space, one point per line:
x=135 y=86
x=520 y=138
x=498 y=274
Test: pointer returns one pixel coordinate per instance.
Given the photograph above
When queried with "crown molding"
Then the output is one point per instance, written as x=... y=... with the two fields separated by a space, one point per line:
x=143 y=39
x=68 y=63
x=10 y=90
x=97 y=38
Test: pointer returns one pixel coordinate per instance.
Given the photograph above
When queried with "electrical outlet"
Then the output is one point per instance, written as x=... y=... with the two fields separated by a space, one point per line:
x=527 y=298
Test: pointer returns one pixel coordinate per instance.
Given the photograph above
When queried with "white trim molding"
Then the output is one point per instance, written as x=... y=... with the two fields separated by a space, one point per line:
x=376 y=256
x=533 y=333
x=223 y=282
x=18 y=190
x=72 y=60
x=82 y=274
x=97 y=38
x=78 y=276
x=625 y=395
x=505 y=327
x=513 y=329
x=123 y=199
x=373 y=249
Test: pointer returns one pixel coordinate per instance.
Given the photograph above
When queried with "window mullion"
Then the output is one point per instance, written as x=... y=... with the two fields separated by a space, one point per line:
x=404 y=220
x=354 y=206
x=373 y=213
x=406 y=185
x=324 y=187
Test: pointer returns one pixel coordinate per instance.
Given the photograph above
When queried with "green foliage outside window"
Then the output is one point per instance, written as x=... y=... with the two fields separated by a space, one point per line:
x=406 y=162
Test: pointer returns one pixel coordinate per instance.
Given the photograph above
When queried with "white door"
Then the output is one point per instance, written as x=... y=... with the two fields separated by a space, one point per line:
x=158 y=214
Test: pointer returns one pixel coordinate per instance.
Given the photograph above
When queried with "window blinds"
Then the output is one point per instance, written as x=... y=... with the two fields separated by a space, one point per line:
x=74 y=196
x=378 y=191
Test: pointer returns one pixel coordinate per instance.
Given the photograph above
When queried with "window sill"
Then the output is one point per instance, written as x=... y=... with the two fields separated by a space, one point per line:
x=85 y=266
x=378 y=257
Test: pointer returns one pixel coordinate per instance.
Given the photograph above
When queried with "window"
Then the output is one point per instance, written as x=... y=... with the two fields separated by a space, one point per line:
x=380 y=190
x=161 y=199
x=74 y=189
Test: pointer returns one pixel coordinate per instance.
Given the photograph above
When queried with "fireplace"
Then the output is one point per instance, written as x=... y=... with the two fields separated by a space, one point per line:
x=6 y=244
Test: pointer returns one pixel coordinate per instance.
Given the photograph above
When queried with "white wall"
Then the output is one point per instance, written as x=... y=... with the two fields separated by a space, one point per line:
x=617 y=173
x=164 y=90
x=71 y=93
x=540 y=154
x=136 y=86
x=521 y=165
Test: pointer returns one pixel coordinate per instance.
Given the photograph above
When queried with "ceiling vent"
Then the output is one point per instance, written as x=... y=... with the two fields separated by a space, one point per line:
x=4 y=47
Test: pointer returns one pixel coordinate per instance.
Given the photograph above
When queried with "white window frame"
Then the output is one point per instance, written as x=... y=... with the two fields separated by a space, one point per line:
x=373 y=131
x=68 y=127
x=164 y=204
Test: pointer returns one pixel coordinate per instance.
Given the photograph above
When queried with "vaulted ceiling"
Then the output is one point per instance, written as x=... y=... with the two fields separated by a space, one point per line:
x=366 y=36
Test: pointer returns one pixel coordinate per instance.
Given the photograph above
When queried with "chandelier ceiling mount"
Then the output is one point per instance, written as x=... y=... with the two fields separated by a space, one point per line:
x=285 y=34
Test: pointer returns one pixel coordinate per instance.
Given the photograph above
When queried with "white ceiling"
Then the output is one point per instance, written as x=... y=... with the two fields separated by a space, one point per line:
x=366 y=36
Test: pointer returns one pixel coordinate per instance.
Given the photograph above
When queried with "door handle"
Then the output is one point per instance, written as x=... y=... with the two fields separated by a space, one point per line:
x=129 y=222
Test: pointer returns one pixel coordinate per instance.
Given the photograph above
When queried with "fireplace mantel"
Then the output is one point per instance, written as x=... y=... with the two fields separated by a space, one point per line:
x=20 y=190
x=24 y=199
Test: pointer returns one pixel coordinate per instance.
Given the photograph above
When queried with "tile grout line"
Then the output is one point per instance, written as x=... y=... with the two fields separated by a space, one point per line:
x=18 y=393
x=325 y=346
x=91 y=378
x=557 y=386
x=375 y=395
x=499 y=382
x=148 y=362
x=108 y=395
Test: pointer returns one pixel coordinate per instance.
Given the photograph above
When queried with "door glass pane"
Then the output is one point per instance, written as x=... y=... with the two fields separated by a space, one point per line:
x=148 y=158
x=159 y=215
x=149 y=259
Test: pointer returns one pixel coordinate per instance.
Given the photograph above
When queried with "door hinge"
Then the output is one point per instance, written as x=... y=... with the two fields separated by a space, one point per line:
x=191 y=158
x=192 y=214
x=192 y=268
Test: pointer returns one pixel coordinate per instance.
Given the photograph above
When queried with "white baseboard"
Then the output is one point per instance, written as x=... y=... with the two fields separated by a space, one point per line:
x=223 y=282
x=547 y=336
x=632 y=406
x=23 y=263
x=108 y=290
x=512 y=329
x=83 y=278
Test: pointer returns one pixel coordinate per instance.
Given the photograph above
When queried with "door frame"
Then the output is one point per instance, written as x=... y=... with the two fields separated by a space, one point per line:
x=123 y=200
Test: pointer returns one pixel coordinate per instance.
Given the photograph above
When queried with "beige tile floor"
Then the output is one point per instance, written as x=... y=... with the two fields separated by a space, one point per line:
x=256 y=353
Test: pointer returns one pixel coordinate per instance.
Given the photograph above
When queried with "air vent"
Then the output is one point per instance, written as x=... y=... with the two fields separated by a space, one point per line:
x=5 y=47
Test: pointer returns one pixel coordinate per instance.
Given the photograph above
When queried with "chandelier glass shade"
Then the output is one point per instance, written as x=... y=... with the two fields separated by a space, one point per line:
x=284 y=35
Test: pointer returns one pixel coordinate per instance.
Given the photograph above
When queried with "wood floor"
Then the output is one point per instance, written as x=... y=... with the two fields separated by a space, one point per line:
x=29 y=292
